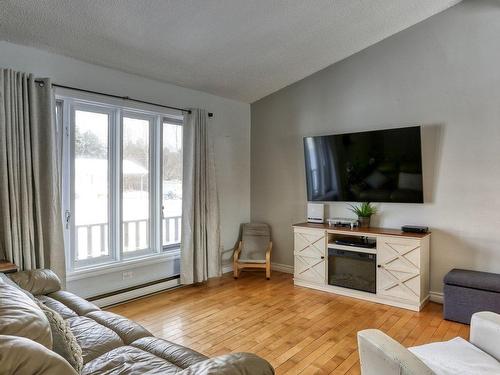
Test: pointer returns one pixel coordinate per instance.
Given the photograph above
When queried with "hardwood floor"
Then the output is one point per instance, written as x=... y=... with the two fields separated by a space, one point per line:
x=298 y=330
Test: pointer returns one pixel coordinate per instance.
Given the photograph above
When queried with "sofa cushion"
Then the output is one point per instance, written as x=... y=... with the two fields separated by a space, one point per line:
x=19 y=355
x=129 y=360
x=128 y=330
x=456 y=357
x=93 y=338
x=179 y=355
x=20 y=316
x=75 y=303
x=7 y=280
x=231 y=364
x=55 y=305
x=37 y=281
x=473 y=279
x=63 y=341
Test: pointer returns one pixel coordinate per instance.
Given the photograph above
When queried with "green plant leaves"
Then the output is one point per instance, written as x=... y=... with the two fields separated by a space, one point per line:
x=365 y=209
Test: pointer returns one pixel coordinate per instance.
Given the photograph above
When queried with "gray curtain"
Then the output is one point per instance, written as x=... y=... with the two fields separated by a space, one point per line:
x=200 y=242
x=31 y=233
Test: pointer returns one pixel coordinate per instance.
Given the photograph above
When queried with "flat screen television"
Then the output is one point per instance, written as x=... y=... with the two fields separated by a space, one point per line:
x=372 y=166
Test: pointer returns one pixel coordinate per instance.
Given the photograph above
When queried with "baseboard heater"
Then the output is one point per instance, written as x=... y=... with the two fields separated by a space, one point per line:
x=135 y=292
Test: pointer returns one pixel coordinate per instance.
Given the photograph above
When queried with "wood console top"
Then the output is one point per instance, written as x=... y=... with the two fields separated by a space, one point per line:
x=357 y=230
x=7 y=267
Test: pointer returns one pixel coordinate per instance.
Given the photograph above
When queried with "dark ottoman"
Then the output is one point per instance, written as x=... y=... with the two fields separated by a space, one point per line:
x=467 y=292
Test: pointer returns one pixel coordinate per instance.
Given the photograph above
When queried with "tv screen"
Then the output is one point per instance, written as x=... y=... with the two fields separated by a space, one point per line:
x=373 y=166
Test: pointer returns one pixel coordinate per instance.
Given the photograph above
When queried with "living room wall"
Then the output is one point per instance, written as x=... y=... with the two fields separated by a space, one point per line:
x=231 y=125
x=442 y=73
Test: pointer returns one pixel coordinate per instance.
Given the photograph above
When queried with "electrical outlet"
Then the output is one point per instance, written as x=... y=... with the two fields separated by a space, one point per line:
x=127 y=275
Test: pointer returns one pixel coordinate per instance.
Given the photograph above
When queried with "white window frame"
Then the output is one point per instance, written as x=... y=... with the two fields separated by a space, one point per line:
x=72 y=108
x=154 y=182
x=172 y=248
x=117 y=258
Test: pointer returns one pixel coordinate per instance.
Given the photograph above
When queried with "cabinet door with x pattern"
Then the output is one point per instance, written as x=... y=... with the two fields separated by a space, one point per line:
x=310 y=254
x=398 y=272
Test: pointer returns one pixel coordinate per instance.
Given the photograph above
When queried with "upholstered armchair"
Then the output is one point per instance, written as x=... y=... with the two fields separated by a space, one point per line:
x=254 y=249
x=379 y=354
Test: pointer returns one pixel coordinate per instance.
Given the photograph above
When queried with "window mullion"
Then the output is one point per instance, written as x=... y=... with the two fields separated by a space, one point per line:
x=156 y=162
x=152 y=188
x=117 y=185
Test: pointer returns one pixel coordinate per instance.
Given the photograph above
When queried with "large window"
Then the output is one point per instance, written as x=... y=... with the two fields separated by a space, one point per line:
x=122 y=182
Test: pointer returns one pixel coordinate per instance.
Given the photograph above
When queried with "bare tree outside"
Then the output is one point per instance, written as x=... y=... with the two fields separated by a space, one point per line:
x=88 y=145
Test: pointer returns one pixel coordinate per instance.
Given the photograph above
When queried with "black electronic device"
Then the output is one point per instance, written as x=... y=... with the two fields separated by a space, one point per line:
x=365 y=242
x=414 y=229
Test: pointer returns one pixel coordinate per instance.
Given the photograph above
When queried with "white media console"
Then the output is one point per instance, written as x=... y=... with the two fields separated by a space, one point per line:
x=399 y=263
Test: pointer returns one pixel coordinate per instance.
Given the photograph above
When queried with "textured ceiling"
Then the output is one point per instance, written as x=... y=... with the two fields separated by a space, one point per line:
x=240 y=49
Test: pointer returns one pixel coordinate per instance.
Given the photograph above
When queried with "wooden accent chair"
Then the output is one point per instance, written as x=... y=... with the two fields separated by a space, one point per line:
x=254 y=249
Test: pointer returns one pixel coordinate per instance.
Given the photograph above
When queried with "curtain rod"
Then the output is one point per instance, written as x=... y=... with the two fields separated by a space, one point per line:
x=210 y=114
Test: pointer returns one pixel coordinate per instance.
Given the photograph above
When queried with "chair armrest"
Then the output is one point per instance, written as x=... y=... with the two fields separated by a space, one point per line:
x=237 y=252
x=231 y=364
x=268 y=252
x=485 y=332
x=37 y=281
x=380 y=354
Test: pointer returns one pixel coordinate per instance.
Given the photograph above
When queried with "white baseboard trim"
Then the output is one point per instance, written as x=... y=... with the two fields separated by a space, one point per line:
x=136 y=293
x=436 y=297
x=282 y=267
x=285 y=268
x=226 y=268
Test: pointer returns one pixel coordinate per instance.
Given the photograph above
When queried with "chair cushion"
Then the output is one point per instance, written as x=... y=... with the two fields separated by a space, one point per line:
x=63 y=341
x=456 y=357
x=258 y=261
x=473 y=279
x=255 y=241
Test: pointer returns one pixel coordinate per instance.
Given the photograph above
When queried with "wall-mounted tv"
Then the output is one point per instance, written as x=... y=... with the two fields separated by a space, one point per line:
x=372 y=166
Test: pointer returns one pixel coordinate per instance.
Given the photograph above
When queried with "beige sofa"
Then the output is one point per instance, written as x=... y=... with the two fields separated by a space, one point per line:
x=381 y=355
x=110 y=344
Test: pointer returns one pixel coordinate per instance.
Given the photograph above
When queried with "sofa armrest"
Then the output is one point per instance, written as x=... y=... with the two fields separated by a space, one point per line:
x=231 y=364
x=19 y=355
x=380 y=354
x=37 y=281
x=485 y=332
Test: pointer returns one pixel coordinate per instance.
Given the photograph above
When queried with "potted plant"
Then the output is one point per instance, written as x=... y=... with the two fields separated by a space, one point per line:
x=364 y=211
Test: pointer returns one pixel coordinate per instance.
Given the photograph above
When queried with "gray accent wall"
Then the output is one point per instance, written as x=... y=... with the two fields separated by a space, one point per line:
x=444 y=74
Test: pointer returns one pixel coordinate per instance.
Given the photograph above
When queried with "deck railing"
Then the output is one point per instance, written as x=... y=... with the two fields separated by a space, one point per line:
x=91 y=240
